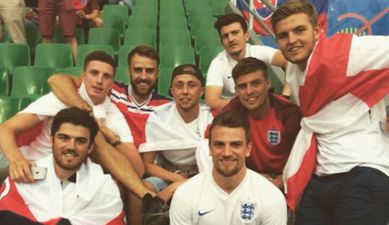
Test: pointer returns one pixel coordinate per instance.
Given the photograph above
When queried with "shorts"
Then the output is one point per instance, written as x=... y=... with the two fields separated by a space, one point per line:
x=49 y=9
x=158 y=183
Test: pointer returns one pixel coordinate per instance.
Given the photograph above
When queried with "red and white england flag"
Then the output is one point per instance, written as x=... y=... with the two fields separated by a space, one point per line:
x=346 y=75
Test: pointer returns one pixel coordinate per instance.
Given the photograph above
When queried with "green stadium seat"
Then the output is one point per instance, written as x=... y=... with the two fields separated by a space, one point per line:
x=204 y=39
x=207 y=53
x=5 y=86
x=141 y=8
x=105 y=36
x=13 y=55
x=201 y=22
x=54 y=55
x=30 y=81
x=219 y=7
x=139 y=36
x=84 y=50
x=165 y=75
x=122 y=75
x=123 y=54
x=178 y=22
x=9 y=106
x=136 y=21
x=115 y=16
x=174 y=55
x=174 y=37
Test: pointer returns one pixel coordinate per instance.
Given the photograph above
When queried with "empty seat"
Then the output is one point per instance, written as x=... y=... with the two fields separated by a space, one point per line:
x=13 y=55
x=122 y=75
x=139 y=36
x=202 y=39
x=165 y=75
x=9 y=106
x=141 y=21
x=174 y=55
x=123 y=55
x=30 y=81
x=105 y=36
x=115 y=16
x=174 y=36
x=179 y=22
x=54 y=55
x=4 y=82
x=207 y=54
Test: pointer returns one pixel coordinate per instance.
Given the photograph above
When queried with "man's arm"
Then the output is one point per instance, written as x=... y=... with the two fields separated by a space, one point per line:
x=19 y=166
x=118 y=166
x=213 y=98
x=131 y=153
x=65 y=88
x=128 y=149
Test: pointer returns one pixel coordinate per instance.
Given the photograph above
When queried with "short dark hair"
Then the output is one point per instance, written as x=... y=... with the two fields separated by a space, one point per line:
x=228 y=19
x=231 y=119
x=100 y=56
x=75 y=116
x=249 y=65
x=292 y=7
x=143 y=50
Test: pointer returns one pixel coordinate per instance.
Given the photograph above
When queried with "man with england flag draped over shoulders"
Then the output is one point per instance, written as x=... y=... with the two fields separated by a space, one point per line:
x=69 y=189
x=337 y=172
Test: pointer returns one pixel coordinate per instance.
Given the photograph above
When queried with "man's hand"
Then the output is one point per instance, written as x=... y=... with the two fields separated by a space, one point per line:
x=167 y=193
x=20 y=170
x=84 y=106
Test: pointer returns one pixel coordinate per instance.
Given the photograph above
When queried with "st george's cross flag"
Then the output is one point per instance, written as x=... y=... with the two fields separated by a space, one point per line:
x=345 y=77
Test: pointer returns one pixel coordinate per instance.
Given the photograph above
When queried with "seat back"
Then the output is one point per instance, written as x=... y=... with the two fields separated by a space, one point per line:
x=13 y=55
x=105 y=36
x=174 y=55
x=54 y=55
x=4 y=82
x=30 y=81
x=9 y=106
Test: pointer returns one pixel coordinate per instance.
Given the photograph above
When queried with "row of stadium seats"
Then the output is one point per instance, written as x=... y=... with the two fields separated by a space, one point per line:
x=59 y=56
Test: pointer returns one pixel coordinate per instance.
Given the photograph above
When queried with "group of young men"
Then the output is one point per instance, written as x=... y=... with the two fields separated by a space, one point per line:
x=216 y=167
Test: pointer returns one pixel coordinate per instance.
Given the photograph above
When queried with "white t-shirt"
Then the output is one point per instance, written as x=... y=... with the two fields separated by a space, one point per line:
x=201 y=201
x=220 y=70
x=48 y=105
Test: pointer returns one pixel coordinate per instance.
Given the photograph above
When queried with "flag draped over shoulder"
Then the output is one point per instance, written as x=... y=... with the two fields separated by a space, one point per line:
x=98 y=198
x=165 y=130
x=346 y=75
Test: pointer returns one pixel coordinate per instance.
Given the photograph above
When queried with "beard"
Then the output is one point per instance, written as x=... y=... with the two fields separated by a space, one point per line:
x=137 y=91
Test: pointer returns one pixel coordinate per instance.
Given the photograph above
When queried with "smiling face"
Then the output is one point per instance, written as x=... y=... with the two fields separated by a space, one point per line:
x=71 y=145
x=98 y=80
x=186 y=90
x=229 y=149
x=296 y=37
x=234 y=39
x=143 y=72
x=252 y=90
